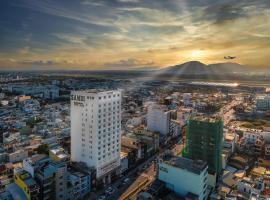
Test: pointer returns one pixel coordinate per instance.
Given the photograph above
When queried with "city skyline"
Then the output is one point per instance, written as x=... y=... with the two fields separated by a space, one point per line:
x=132 y=34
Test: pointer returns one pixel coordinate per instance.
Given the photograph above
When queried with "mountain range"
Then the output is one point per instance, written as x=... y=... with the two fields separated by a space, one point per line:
x=198 y=68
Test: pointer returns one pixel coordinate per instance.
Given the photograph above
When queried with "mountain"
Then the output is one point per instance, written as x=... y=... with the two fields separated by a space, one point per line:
x=198 y=68
x=192 y=67
x=228 y=68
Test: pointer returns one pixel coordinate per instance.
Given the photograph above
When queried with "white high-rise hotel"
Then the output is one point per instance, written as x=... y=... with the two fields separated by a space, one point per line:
x=96 y=130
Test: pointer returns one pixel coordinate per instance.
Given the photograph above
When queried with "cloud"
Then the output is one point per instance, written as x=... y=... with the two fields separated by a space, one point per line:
x=130 y=62
x=37 y=62
x=99 y=33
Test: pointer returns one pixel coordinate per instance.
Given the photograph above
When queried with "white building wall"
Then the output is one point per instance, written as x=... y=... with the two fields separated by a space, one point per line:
x=96 y=129
x=158 y=120
x=182 y=181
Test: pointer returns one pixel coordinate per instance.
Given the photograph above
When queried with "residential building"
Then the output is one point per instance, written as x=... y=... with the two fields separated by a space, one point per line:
x=18 y=156
x=263 y=102
x=145 y=143
x=29 y=186
x=50 y=175
x=158 y=119
x=78 y=185
x=46 y=91
x=184 y=176
x=60 y=180
x=96 y=130
x=31 y=164
x=58 y=154
x=250 y=187
x=230 y=140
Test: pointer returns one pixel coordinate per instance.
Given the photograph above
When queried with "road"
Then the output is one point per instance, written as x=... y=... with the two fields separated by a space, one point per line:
x=227 y=112
x=145 y=179
x=119 y=186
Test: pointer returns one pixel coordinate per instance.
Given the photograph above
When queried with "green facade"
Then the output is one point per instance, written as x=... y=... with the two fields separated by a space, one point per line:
x=204 y=142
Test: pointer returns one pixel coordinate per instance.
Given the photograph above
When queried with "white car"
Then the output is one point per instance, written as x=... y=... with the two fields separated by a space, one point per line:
x=109 y=190
x=102 y=197
x=126 y=180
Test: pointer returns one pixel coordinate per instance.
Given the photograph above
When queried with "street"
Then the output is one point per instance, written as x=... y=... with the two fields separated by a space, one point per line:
x=123 y=184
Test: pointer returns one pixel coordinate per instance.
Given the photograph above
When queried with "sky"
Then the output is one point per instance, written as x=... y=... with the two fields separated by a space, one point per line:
x=132 y=34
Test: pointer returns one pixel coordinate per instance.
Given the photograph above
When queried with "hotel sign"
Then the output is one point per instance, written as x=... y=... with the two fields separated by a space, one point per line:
x=77 y=98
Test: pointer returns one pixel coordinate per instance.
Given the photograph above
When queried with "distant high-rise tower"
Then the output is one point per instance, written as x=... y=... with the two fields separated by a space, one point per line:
x=96 y=130
x=204 y=137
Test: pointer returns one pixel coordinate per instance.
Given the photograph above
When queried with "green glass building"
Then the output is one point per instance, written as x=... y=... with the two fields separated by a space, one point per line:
x=204 y=138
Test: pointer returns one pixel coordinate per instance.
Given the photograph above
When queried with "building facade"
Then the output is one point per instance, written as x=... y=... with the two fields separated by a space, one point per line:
x=96 y=130
x=263 y=102
x=184 y=176
x=158 y=119
x=29 y=186
x=204 y=141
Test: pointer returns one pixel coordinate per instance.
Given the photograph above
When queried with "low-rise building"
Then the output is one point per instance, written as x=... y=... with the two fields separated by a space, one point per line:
x=25 y=181
x=78 y=185
x=263 y=102
x=18 y=156
x=230 y=141
x=250 y=187
x=192 y=173
x=50 y=175
x=58 y=154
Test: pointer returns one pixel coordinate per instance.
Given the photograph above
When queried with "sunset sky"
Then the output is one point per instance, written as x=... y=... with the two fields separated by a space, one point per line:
x=130 y=34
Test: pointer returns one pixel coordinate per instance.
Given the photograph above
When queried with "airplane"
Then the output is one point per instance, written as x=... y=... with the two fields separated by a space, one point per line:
x=229 y=57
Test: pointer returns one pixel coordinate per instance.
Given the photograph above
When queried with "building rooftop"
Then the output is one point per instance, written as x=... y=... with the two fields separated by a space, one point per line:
x=96 y=91
x=194 y=166
x=38 y=157
x=202 y=118
x=27 y=178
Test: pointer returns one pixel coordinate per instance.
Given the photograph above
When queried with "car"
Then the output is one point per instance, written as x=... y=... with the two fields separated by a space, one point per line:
x=102 y=197
x=109 y=190
x=126 y=180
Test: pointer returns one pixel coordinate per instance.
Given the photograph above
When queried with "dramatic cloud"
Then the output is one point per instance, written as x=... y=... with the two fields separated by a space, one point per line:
x=129 y=63
x=95 y=34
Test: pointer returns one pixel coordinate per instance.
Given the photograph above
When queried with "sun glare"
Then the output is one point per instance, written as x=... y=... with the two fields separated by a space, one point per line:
x=197 y=54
